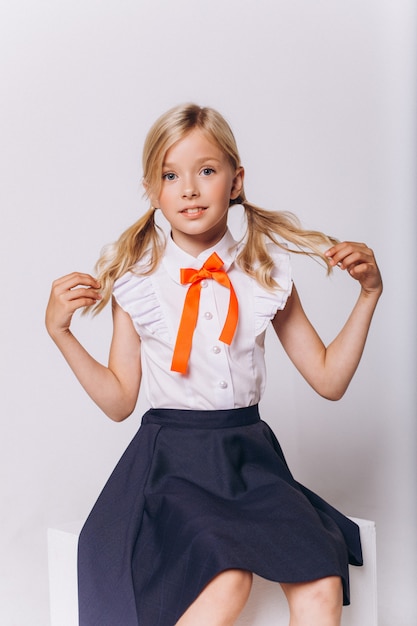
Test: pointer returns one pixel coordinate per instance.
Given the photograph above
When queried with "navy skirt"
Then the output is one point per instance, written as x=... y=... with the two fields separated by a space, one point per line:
x=196 y=493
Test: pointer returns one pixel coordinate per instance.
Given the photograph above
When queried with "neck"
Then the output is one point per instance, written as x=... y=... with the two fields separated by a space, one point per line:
x=197 y=244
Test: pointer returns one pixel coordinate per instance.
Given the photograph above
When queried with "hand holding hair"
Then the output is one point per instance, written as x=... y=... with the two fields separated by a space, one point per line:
x=359 y=261
x=69 y=293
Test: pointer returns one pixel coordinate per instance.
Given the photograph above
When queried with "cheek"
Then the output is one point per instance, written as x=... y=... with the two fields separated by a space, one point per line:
x=223 y=189
x=163 y=197
x=167 y=203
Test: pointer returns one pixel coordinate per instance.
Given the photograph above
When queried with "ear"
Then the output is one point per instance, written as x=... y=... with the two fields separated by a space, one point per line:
x=237 y=183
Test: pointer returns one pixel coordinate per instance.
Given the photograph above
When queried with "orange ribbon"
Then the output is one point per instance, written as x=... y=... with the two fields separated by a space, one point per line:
x=211 y=269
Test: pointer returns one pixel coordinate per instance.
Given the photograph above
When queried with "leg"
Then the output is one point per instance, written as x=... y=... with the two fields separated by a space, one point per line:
x=316 y=603
x=221 y=601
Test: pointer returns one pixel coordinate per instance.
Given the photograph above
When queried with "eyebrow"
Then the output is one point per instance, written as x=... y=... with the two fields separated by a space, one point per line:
x=198 y=162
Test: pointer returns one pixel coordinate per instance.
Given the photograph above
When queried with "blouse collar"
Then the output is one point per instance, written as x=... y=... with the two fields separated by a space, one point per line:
x=175 y=258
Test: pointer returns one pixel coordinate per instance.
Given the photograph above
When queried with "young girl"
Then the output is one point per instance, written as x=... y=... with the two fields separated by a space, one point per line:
x=202 y=497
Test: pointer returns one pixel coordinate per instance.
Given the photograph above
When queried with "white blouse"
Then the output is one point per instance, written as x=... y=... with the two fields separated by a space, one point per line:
x=218 y=376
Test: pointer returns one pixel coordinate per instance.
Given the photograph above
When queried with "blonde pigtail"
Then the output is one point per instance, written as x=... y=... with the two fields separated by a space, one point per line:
x=143 y=237
x=279 y=227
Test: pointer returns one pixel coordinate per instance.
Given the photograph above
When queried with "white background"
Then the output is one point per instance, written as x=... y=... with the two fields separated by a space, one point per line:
x=321 y=97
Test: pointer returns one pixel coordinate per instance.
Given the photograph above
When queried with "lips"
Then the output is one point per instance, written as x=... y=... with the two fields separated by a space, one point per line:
x=193 y=210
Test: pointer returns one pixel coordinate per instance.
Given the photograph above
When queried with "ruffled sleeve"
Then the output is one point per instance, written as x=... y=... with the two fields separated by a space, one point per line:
x=268 y=302
x=137 y=296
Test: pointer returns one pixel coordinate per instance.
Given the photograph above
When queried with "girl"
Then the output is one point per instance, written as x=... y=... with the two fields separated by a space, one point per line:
x=202 y=497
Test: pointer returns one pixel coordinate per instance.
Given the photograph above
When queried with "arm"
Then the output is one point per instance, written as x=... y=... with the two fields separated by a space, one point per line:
x=330 y=369
x=113 y=388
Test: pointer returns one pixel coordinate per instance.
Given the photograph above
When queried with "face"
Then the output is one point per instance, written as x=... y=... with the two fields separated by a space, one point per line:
x=198 y=183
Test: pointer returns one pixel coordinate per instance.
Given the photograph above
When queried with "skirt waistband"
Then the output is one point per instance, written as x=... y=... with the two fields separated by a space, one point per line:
x=183 y=418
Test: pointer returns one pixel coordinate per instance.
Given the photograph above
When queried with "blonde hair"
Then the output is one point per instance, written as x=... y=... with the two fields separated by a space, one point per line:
x=144 y=237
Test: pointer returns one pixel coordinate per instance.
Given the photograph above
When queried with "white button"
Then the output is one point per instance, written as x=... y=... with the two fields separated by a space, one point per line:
x=223 y=384
x=217 y=350
x=204 y=283
x=208 y=315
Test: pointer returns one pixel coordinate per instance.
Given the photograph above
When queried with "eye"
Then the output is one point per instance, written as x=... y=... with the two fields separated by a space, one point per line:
x=207 y=171
x=169 y=176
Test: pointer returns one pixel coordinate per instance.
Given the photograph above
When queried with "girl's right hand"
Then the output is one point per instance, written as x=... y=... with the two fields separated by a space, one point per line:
x=69 y=293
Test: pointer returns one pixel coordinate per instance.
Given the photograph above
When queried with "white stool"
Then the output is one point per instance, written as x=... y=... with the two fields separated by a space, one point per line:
x=266 y=606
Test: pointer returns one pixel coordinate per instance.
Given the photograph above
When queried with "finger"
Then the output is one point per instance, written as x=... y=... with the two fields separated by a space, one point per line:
x=335 y=253
x=74 y=277
x=359 y=269
x=77 y=293
x=348 y=254
x=70 y=299
x=353 y=259
x=79 y=303
x=368 y=271
x=70 y=281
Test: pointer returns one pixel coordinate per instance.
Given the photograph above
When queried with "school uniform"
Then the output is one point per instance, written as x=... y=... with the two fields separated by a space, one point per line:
x=204 y=485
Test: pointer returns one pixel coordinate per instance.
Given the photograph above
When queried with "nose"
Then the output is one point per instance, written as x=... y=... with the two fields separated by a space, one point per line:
x=190 y=189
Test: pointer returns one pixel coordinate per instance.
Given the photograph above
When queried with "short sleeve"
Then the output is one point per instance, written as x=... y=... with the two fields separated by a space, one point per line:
x=268 y=302
x=136 y=295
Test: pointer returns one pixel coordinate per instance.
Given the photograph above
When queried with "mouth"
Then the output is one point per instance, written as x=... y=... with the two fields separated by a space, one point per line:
x=193 y=211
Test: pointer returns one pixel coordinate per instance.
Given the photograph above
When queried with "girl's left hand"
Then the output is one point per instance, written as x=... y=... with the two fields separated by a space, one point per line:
x=359 y=261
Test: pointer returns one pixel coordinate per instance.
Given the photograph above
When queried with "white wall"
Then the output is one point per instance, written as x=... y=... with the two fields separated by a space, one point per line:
x=321 y=99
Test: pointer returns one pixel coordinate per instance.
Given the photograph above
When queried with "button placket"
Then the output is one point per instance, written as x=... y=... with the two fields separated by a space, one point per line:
x=210 y=327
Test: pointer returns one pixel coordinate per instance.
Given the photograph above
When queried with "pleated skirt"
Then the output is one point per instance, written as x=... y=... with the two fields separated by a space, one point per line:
x=194 y=494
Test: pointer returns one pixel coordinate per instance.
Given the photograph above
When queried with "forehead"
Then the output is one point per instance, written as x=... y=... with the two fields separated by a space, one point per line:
x=196 y=145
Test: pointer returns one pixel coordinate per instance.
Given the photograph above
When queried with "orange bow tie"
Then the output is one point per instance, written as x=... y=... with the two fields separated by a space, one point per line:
x=211 y=269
